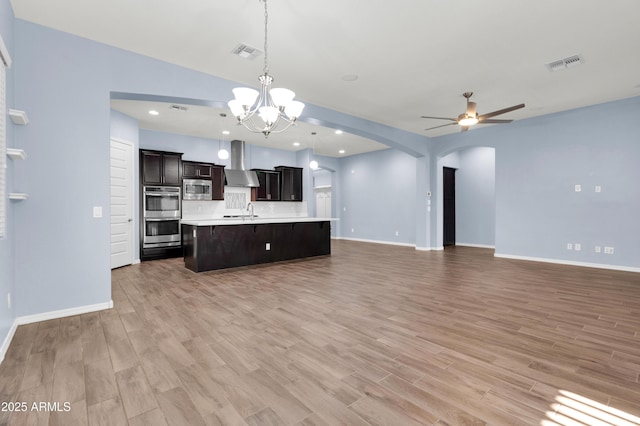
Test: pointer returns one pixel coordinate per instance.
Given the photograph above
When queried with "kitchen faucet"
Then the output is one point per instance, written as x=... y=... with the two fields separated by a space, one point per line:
x=250 y=210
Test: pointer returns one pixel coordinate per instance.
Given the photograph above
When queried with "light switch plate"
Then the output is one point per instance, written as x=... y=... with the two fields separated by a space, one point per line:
x=97 y=211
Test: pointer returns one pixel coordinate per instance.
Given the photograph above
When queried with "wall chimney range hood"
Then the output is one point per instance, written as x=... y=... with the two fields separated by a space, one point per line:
x=236 y=175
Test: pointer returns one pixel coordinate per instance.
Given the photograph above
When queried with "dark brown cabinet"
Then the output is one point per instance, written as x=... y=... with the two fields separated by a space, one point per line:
x=269 y=189
x=193 y=170
x=160 y=168
x=208 y=248
x=206 y=171
x=290 y=183
x=217 y=179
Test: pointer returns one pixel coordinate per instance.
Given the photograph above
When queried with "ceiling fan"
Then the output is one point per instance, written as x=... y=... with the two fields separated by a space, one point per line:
x=471 y=117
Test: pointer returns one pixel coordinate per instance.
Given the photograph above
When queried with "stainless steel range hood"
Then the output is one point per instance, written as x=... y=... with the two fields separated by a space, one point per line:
x=236 y=174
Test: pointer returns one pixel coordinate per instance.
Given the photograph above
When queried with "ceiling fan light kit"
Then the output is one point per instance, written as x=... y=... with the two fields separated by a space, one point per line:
x=471 y=117
x=275 y=107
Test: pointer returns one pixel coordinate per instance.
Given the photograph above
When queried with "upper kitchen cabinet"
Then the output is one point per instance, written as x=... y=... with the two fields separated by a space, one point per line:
x=160 y=168
x=269 y=189
x=290 y=183
x=193 y=170
x=217 y=182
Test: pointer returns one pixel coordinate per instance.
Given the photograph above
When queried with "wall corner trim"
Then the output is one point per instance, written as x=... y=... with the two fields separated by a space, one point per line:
x=4 y=54
x=45 y=316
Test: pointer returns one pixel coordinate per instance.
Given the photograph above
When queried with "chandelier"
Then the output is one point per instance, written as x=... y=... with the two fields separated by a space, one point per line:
x=275 y=107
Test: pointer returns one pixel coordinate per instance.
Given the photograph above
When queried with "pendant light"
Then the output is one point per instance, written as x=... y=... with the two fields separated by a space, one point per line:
x=275 y=108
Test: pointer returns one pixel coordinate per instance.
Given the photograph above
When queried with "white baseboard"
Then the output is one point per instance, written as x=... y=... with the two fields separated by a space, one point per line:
x=7 y=341
x=430 y=248
x=475 y=245
x=362 y=240
x=569 y=262
x=45 y=316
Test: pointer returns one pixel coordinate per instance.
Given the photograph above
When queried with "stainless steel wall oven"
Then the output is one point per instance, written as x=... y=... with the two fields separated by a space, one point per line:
x=161 y=216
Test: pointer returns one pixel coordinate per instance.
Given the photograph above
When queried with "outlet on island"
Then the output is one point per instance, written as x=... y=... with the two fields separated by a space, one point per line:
x=267 y=246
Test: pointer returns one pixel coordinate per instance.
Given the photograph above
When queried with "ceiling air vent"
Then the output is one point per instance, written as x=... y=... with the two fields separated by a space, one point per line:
x=245 y=51
x=569 y=62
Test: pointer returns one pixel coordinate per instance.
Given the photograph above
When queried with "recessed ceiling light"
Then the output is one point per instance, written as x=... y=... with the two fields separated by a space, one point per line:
x=225 y=132
x=153 y=112
x=342 y=151
x=350 y=77
x=339 y=132
x=296 y=144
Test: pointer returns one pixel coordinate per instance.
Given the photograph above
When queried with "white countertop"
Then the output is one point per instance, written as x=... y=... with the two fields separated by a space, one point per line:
x=255 y=221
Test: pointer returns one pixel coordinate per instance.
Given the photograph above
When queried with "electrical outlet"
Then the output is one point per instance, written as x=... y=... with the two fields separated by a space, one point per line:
x=578 y=188
x=352 y=230
x=397 y=233
x=608 y=250
x=569 y=246
x=97 y=212
x=598 y=249
x=9 y=300
x=598 y=188
x=577 y=247
x=267 y=246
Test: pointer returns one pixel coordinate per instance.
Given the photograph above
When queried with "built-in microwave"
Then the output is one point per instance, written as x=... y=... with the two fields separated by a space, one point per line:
x=196 y=189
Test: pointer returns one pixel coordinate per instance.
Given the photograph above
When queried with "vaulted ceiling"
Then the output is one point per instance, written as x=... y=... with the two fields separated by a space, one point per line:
x=389 y=62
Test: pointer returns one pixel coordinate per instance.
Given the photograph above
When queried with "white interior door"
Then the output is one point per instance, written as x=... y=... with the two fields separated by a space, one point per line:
x=121 y=203
x=323 y=202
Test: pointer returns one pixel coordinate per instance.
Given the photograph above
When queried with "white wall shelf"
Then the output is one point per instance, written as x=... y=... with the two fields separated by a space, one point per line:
x=16 y=154
x=18 y=117
x=18 y=196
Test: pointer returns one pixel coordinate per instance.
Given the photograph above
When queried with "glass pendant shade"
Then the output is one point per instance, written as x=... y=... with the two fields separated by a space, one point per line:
x=294 y=109
x=245 y=95
x=236 y=108
x=268 y=114
x=281 y=97
x=313 y=165
x=223 y=154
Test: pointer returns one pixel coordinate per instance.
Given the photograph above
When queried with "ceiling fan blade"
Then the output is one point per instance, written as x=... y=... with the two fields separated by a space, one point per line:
x=441 y=118
x=500 y=111
x=444 y=125
x=493 y=121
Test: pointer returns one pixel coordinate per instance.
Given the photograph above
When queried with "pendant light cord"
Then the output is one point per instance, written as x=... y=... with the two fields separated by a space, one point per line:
x=266 y=19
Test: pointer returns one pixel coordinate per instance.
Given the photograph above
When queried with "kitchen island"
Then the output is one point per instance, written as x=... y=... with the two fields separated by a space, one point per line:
x=231 y=242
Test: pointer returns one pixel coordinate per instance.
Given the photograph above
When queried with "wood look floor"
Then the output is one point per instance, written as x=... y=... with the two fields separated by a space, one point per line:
x=372 y=335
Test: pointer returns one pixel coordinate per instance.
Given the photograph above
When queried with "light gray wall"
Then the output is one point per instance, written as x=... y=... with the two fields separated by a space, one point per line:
x=476 y=197
x=378 y=196
x=7 y=258
x=539 y=160
x=202 y=149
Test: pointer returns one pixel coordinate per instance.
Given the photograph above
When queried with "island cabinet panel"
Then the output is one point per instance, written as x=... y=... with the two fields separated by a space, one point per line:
x=208 y=248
